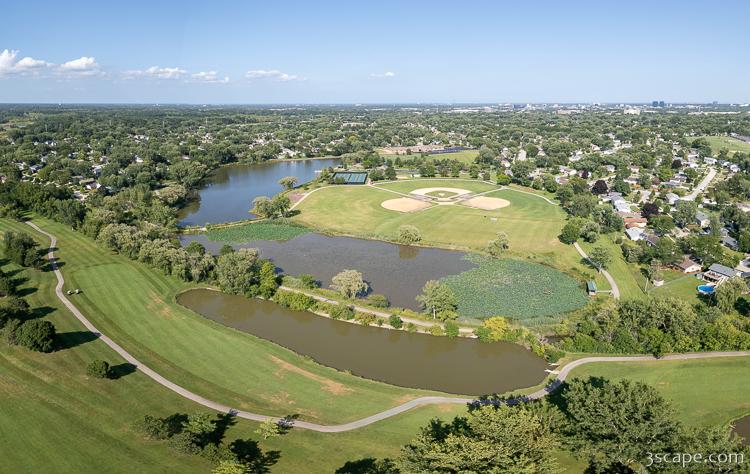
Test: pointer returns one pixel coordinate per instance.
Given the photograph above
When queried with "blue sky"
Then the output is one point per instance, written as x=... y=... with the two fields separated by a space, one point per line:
x=365 y=52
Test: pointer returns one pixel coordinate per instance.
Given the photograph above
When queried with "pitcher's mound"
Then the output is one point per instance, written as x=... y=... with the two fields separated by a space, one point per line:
x=486 y=203
x=405 y=205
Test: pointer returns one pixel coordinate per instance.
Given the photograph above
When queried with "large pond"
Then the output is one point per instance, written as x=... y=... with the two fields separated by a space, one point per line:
x=230 y=190
x=397 y=271
x=460 y=365
x=742 y=428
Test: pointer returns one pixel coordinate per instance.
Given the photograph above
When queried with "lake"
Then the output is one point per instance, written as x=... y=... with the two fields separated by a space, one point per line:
x=397 y=271
x=229 y=191
x=459 y=366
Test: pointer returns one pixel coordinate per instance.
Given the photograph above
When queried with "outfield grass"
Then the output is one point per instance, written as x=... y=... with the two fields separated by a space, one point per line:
x=704 y=392
x=465 y=156
x=732 y=144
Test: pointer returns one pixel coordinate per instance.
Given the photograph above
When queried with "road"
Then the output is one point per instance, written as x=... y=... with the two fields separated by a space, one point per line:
x=701 y=186
x=612 y=282
x=421 y=401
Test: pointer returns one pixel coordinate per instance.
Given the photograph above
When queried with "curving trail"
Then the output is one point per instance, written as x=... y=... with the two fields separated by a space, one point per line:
x=561 y=375
x=607 y=275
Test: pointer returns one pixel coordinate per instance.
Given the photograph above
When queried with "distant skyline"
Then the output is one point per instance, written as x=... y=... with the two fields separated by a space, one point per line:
x=386 y=52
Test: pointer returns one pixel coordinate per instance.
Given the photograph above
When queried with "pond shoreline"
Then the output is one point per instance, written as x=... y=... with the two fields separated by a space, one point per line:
x=459 y=365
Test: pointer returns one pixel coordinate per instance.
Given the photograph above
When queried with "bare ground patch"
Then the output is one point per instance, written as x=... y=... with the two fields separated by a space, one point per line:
x=328 y=385
x=404 y=204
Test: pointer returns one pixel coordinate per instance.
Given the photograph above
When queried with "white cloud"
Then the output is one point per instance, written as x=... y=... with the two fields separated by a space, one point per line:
x=383 y=74
x=211 y=77
x=82 y=67
x=10 y=66
x=156 y=72
x=271 y=74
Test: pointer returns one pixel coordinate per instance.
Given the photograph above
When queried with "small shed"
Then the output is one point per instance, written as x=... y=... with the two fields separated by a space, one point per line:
x=591 y=288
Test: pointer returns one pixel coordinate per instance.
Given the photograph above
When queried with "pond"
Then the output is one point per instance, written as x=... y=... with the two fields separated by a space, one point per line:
x=397 y=271
x=742 y=428
x=229 y=191
x=460 y=366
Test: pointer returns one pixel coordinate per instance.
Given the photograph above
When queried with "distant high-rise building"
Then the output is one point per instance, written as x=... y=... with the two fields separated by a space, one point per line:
x=661 y=103
x=655 y=103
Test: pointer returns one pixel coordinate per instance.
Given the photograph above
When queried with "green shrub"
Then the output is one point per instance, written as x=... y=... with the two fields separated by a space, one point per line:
x=411 y=327
x=365 y=319
x=308 y=281
x=99 y=369
x=451 y=329
x=395 y=321
x=293 y=300
x=341 y=311
x=378 y=301
x=436 y=330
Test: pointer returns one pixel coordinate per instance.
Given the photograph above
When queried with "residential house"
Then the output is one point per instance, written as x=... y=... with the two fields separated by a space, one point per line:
x=672 y=198
x=718 y=273
x=688 y=265
x=709 y=160
x=635 y=222
x=702 y=219
x=634 y=233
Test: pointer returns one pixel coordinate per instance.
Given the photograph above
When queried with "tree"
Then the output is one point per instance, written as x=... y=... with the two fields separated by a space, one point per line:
x=269 y=429
x=263 y=207
x=395 y=321
x=600 y=257
x=684 y=213
x=494 y=440
x=570 y=232
x=600 y=187
x=408 y=234
x=497 y=328
x=99 y=369
x=614 y=424
x=230 y=466
x=281 y=205
x=499 y=245
x=236 y=272
x=438 y=300
x=21 y=249
x=288 y=182
x=727 y=294
x=349 y=283
x=650 y=209
x=36 y=335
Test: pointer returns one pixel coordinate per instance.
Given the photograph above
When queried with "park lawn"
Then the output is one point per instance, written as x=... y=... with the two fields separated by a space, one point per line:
x=135 y=305
x=465 y=156
x=626 y=275
x=704 y=392
x=732 y=144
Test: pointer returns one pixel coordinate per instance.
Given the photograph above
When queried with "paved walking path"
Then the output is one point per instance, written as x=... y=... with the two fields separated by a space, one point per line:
x=612 y=282
x=381 y=314
x=561 y=376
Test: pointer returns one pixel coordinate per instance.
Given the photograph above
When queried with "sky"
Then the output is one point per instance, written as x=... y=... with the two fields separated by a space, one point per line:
x=285 y=52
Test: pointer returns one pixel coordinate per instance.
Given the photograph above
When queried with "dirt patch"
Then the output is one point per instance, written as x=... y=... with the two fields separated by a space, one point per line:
x=328 y=385
x=404 y=205
x=486 y=203
x=157 y=306
x=430 y=191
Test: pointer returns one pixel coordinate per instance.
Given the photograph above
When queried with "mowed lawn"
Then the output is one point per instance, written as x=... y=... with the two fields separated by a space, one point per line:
x=57 y=419
x=732 y=144
x=704 y=392
x=465 y=156
x=136 y=306
x=532 y=224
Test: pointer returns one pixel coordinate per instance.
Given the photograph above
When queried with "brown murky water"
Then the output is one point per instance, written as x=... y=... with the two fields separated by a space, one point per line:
x=742 y=428
x=397 y=271
x=459 y=366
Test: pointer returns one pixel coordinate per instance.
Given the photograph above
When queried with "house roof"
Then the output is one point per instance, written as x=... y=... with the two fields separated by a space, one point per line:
x=687 y=262
x=723 y=270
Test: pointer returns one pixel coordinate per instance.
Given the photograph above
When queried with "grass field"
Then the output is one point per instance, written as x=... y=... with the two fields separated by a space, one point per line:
x=56 y=419
x=732 y=144
x=255 y=231
x=708 y=392
x=465 y=156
